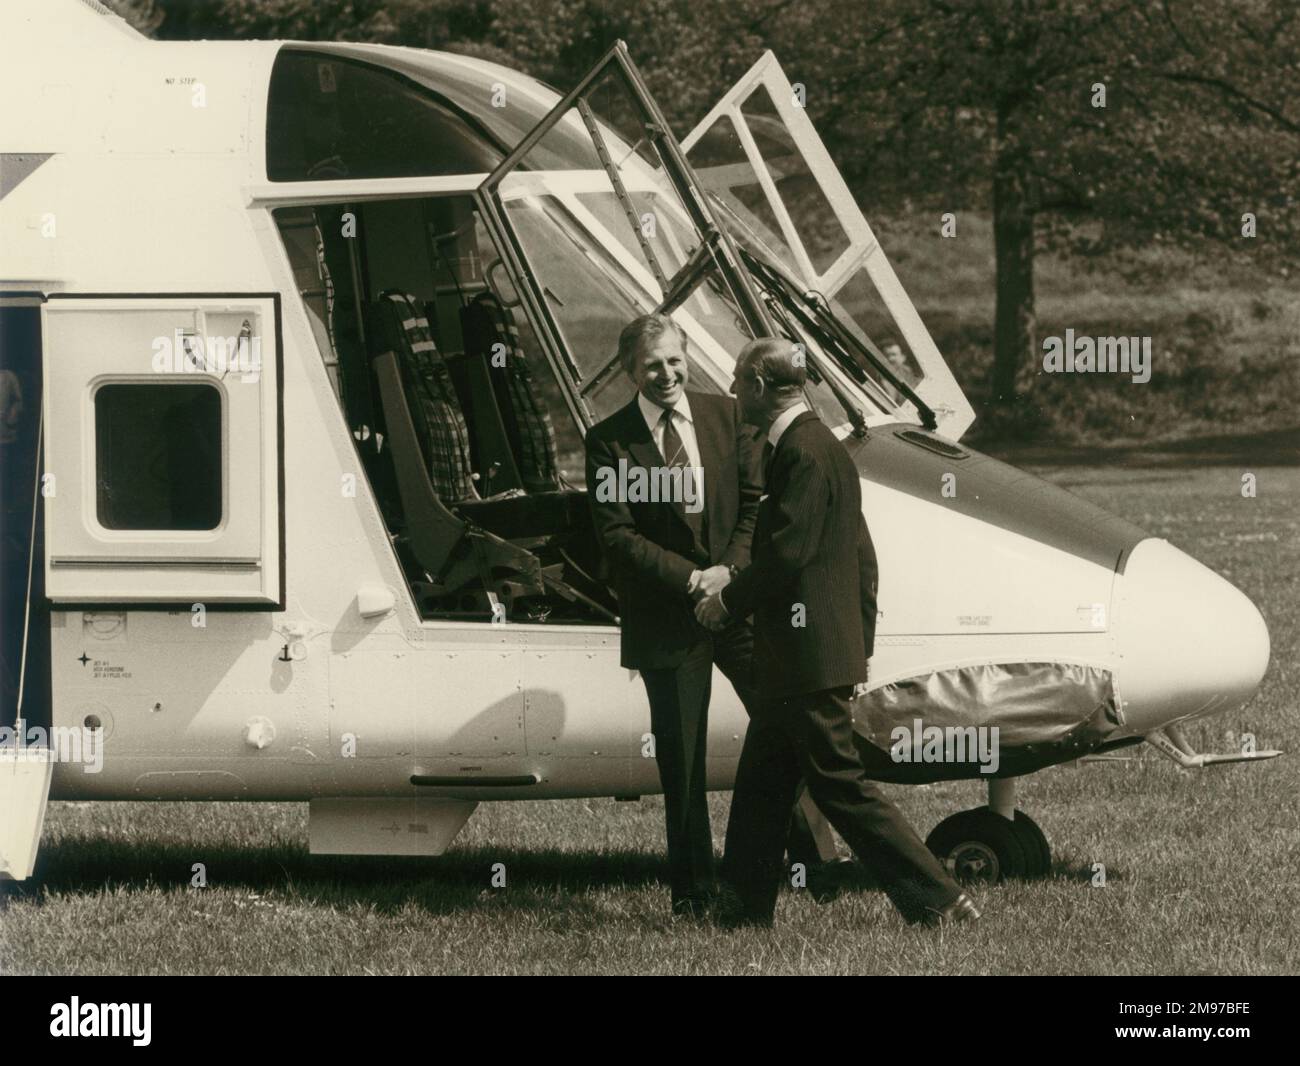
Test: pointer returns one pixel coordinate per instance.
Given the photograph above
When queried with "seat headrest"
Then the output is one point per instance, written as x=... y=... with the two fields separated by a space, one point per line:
x=387 y=320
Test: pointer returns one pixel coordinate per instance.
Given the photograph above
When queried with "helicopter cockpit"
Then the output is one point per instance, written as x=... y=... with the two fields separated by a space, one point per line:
x=468 y=258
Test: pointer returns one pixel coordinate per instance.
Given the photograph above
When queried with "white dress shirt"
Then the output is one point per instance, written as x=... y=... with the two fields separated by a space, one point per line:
x=782 y=423
x=685 y=426
x=682 y=422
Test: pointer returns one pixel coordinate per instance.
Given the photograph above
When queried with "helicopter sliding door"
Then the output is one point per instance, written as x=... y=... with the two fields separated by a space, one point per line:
x=782 y=196
x=162 y=478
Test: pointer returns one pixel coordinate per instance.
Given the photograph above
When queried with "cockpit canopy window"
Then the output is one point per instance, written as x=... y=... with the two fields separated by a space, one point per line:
x=330 y=118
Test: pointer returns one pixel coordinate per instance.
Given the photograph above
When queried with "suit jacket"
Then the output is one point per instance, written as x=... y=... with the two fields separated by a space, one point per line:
x=811 y=548
x=650 y=548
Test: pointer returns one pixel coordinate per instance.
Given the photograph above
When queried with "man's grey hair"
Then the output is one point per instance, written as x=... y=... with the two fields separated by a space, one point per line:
x=775 y=364
x=641 y=333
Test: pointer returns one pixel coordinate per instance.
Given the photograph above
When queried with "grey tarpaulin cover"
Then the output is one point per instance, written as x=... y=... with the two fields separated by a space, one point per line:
x=1037 y=707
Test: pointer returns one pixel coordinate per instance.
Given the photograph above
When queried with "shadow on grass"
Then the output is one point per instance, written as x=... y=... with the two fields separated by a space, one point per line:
x=549 y=880
x=455 y=881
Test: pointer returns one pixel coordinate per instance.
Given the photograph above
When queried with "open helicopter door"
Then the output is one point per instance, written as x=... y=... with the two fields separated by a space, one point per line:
x=604 y=171
x=163 y=479
x=757 y=152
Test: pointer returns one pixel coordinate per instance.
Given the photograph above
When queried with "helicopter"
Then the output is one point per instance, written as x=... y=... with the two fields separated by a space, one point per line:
x=299 y=342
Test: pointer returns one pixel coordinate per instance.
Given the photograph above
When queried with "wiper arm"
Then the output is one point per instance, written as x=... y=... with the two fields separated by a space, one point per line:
x=823 y=321
x=856 y=417
x=833 y=325
x=698 y=266
x=703 y=262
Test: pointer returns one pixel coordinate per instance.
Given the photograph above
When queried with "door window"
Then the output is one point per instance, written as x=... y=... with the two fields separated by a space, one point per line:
x=158 y=456
x=784 y=201
x=629 y=219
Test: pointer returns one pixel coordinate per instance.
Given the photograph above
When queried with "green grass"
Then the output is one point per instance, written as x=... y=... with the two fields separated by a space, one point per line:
x=1202 y=869
x=1225 y=335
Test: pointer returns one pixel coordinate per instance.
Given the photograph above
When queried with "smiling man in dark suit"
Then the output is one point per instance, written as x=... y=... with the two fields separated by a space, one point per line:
x=811 y=588
x=663 y=553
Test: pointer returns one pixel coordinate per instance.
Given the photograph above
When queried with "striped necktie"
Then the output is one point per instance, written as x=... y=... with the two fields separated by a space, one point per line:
x=673 y=448
x=675 y=454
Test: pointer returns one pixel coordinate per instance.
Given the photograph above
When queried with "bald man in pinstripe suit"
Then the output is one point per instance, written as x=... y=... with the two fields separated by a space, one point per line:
x=811 y=587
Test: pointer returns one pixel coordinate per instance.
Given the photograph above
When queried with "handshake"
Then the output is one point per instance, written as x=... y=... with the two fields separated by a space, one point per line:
x=706 y=587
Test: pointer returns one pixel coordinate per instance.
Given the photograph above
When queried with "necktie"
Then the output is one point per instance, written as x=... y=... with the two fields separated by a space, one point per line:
x=675 y=455
x=674 y=450
x=768 y=452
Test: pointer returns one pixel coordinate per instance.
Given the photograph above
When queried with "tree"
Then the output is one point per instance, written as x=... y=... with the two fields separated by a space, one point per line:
x=1085 y=125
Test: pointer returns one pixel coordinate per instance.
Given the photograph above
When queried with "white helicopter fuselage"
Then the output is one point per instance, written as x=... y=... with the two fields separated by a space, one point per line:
x=308 y=673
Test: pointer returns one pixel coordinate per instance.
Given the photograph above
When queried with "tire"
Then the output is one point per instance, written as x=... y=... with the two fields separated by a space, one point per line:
x=979 y=846
x=1037 y=850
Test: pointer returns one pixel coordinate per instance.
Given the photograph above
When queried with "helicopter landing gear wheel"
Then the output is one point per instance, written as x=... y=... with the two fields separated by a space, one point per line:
x=982 y=845
x=979 y=846
x=1038 y=851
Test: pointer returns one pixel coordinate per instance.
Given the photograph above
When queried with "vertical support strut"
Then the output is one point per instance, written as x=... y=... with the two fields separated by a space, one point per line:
x=1002 y=797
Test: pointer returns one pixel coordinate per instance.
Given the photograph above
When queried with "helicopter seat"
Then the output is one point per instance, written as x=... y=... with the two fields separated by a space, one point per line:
x=420 y=410
x=492 y=339
x=397 y=324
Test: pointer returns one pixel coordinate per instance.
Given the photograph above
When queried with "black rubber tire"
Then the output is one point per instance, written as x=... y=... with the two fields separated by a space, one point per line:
x=1038 y=851
x=979 y=846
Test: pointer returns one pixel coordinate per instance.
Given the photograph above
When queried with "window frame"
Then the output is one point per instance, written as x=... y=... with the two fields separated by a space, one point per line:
x=373 y=190
x=90 y=569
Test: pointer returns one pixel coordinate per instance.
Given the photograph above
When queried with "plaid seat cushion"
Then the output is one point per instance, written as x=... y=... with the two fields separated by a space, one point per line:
x=435 y=407
x=532 y=434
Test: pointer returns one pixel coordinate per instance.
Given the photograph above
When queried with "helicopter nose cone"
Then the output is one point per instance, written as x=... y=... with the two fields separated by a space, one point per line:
x=1189 y=642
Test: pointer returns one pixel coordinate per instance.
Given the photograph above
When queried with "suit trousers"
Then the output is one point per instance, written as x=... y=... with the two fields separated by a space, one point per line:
x=679 y=718
x=811 y=735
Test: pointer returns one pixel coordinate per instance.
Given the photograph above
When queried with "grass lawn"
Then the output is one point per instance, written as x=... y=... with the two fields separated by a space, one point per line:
x=1202 y=869
x=1225 y=334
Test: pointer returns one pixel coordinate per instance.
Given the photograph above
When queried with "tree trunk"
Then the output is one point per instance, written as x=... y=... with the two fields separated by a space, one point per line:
x=1015 y=329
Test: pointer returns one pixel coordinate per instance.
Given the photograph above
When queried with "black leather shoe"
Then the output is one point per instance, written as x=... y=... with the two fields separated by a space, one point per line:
x=691 y=907
x=728 y=911
x=828 y=880
x=962 y=909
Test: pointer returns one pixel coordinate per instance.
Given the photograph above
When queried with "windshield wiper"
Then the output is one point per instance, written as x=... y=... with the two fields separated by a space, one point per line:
x=856 y=417
x=699 y=265
x=813 y=312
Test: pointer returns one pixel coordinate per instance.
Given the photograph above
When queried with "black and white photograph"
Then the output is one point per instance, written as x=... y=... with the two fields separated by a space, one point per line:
x=664 y=488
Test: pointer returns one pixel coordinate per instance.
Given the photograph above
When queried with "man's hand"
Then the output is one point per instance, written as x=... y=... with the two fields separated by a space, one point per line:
x=860 y=689
x=712 y=581
x=711 y=613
